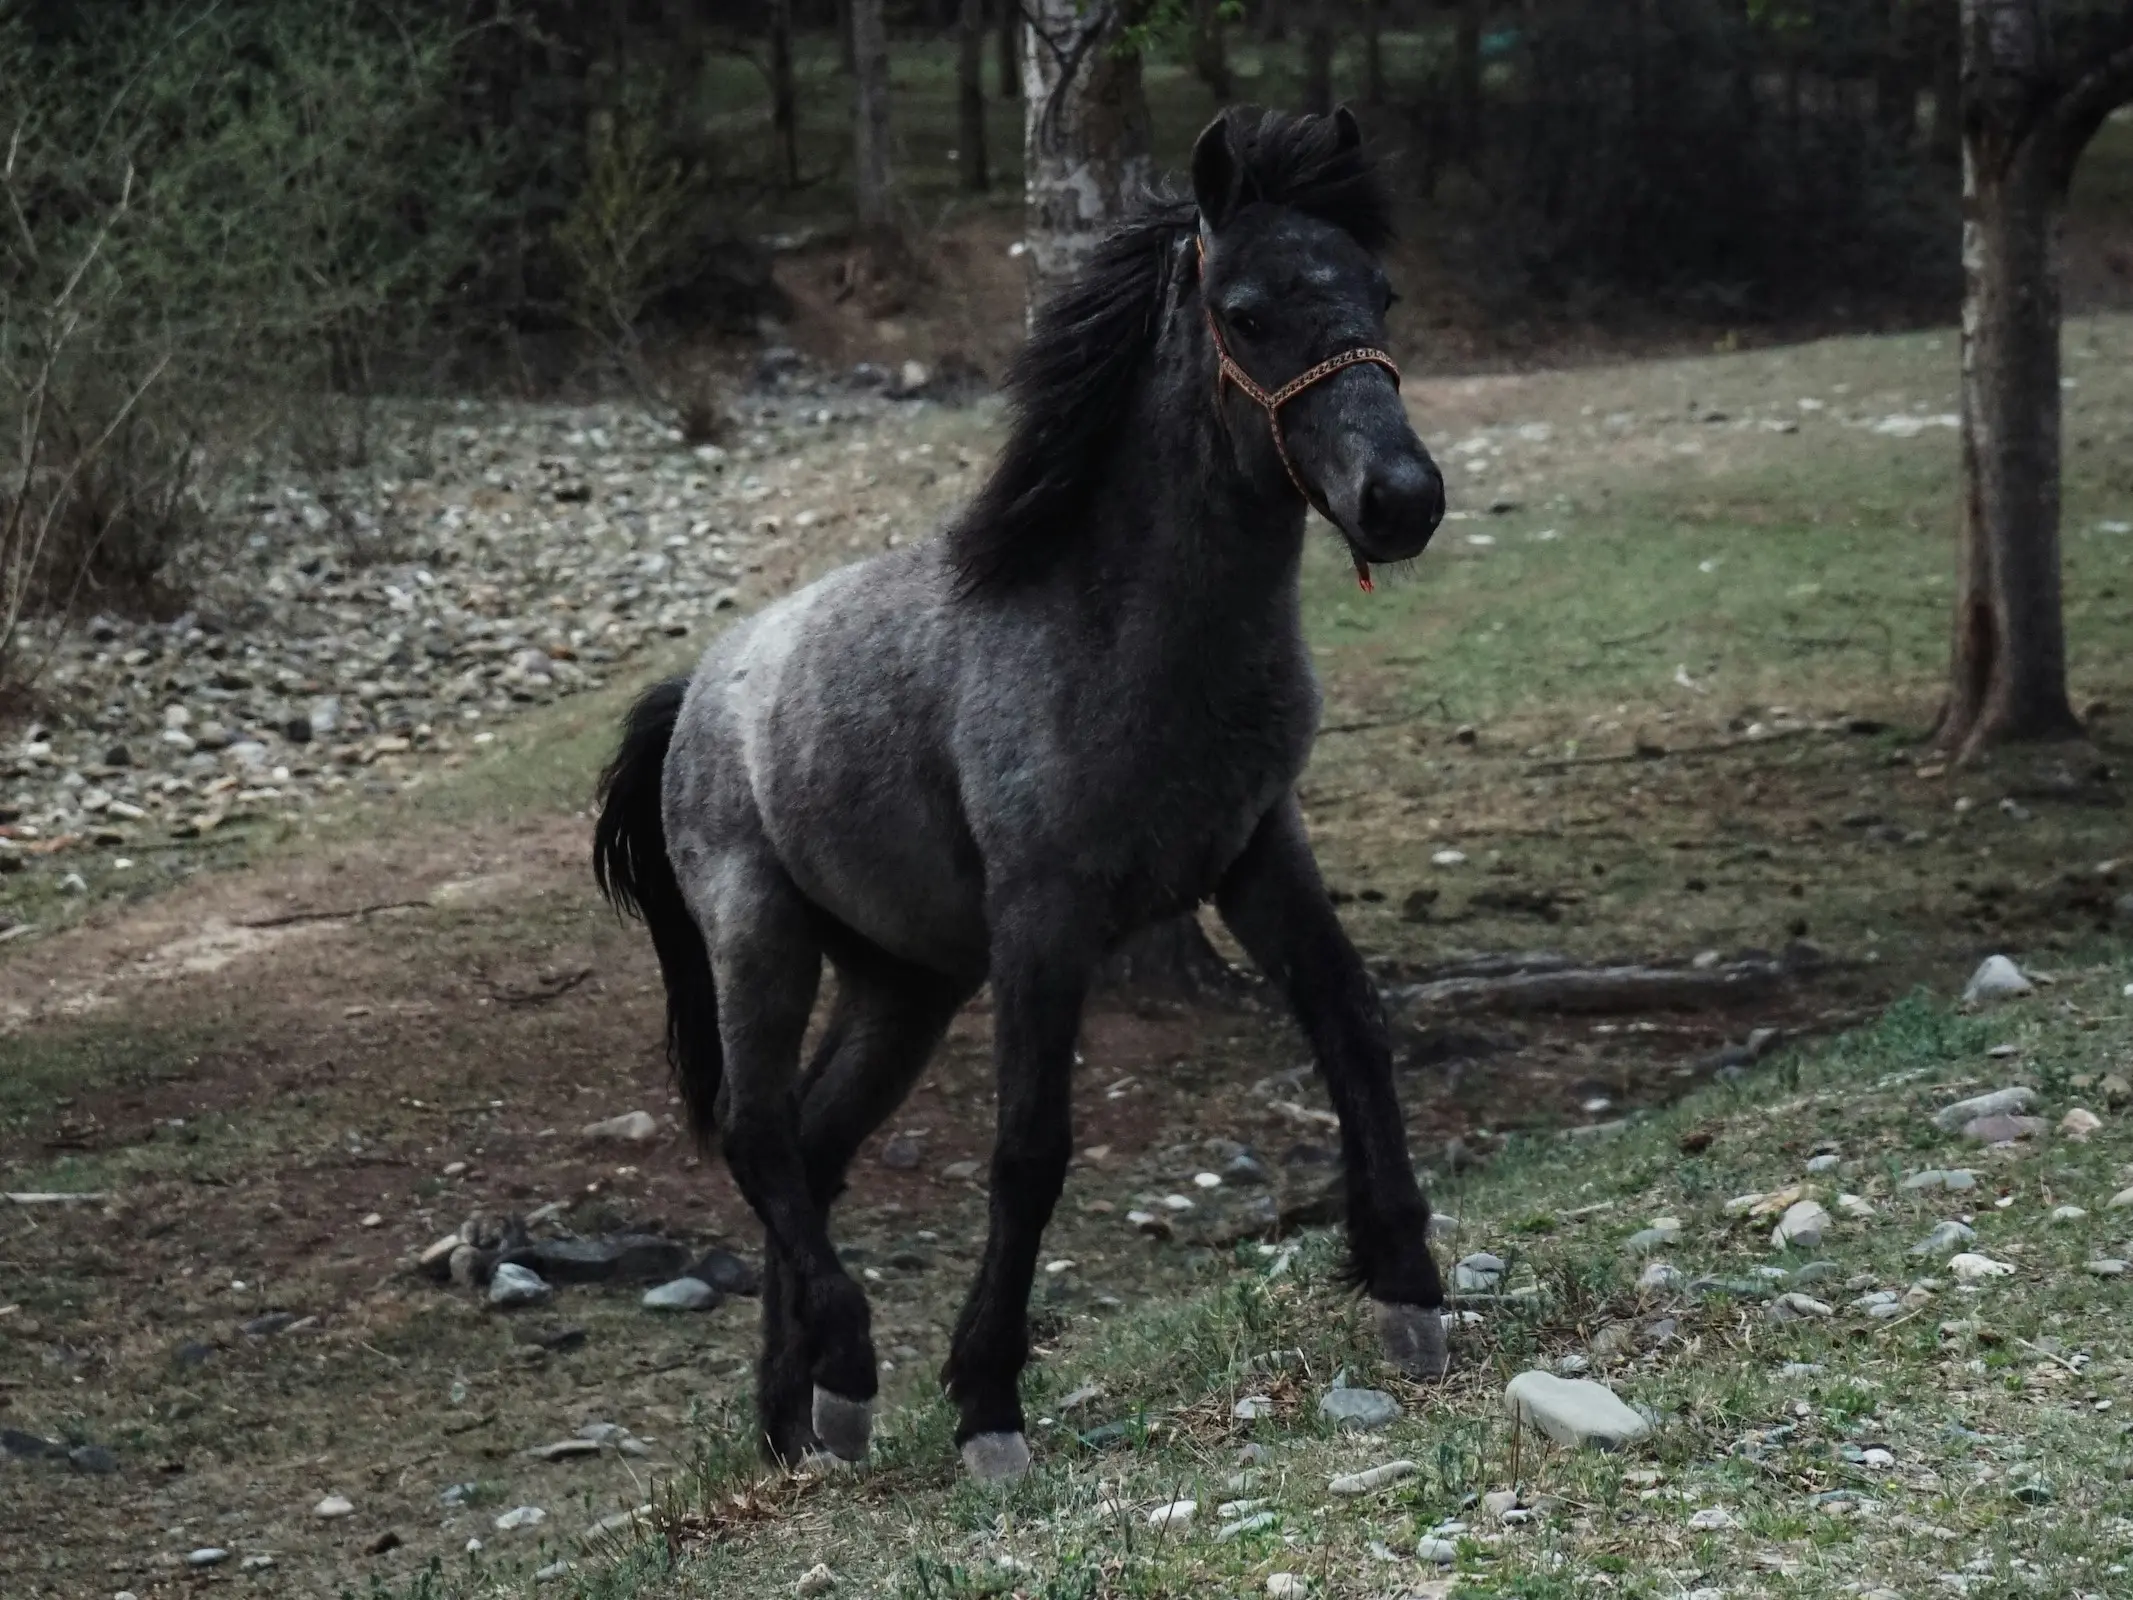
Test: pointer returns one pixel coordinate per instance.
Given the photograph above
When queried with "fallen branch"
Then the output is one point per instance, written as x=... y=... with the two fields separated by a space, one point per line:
x=42 y=1199
x=1598 y=990
x=289 y=919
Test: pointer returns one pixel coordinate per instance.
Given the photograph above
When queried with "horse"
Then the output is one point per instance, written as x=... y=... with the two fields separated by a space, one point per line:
x=1079 y=710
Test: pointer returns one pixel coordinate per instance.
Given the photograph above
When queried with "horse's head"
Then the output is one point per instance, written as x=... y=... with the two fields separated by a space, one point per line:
x=1296 y=302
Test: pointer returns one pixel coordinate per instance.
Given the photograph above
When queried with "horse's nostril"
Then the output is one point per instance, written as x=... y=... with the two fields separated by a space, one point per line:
x=1404 y=500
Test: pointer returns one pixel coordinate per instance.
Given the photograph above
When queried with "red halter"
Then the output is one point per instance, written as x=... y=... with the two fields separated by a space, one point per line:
x=1271 y=401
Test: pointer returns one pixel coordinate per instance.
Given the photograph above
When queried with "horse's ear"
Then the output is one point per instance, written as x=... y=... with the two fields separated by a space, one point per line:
x=1214 y=173
x=1346 y=129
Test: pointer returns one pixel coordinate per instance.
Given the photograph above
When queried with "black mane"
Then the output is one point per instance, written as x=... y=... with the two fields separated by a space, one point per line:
x=1068 y=387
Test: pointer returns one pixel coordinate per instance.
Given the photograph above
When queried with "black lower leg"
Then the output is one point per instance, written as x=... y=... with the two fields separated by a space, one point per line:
x=784 y=1385
x=1038 y=1013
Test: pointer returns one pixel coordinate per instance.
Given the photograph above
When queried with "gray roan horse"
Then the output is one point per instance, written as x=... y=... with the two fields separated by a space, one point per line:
x=995 y=755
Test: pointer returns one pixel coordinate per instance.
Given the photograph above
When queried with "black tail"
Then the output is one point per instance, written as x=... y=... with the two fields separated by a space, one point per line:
x=630 y=864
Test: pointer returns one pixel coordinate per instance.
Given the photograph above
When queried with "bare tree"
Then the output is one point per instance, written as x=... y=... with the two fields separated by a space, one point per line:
x=870 y=66
x=1210 y=54
x=1086 y=137
x=1318 y=57
x=2039 y=77
x=784 y=115
x=970 y=94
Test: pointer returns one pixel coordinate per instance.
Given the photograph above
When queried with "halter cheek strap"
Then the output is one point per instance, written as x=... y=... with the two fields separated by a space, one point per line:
x=1272 y=400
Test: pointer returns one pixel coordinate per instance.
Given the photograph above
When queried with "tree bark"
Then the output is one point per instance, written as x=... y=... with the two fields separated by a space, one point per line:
x=847 y=56
x=970 y=95
x=1210 y=53
x=1010 y=42
x=784 y=117
x=1373 y=52
x=2026 y=117
x=870 y=124
x=1318 y=58
x=1086 y=136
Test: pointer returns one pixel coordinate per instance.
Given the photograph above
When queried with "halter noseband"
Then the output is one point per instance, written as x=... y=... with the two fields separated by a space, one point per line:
x=1271 y=401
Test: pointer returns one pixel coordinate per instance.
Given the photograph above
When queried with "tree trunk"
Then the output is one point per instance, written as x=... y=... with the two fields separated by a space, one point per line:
x=1010 y=41
x=1466 y=78
x=1086 y=137
x=970 y=95
x=784 y=118
x=2008 y=670
x=1318 y=58
x=870 y=66
x=1210 y=54
x=847 y=57
x=1373 y=52
x=1273 y=20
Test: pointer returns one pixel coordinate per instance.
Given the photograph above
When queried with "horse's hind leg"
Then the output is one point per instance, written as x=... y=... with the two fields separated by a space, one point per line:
x=883 y=1027
x=767 y=963
x=1273 y=900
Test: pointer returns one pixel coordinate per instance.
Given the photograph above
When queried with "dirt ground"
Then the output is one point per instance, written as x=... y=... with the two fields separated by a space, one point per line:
x=284 y=1080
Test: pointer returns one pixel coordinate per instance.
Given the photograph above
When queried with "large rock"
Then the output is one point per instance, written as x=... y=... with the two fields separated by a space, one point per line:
x=1803 y=1224
x=1997 y=978
x=1573 y=1411
x=2001 y=1102
x=513 y=1286
x=1944 y=1238
x=683 y=1294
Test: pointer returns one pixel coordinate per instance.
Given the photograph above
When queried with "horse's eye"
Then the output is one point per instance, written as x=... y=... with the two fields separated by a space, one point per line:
x=1245 y=323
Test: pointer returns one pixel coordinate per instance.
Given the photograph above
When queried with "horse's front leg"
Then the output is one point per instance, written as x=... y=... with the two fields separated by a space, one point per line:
x=1040 y=976
x=1275 y=903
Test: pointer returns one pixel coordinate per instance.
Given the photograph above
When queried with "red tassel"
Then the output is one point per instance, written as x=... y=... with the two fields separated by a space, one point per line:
x=1362 y=578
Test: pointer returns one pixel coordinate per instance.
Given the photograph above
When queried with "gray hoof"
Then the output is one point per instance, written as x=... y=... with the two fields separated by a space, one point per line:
x=996 y=1457
x=1413 y=1338
x=843 y=1426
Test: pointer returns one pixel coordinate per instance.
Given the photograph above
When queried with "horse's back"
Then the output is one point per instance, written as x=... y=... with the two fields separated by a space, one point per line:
x=817 y=730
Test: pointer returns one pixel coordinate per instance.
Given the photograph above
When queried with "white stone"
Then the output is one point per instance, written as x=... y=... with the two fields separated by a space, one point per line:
x=2106 y=1267
x=2067 y=1213
x=632 y=1127
x=334 y=1505
x=1712 y=1519
x=1256 y=1522
x=817 y=1579
x=1803 y=1224
x=1573 y=1411
x=1373 y=1478
x=1174 y=1515
x=1659 y=1278
x=1252 y=1407
x=1997 y=978
x=1437 y=1552
x=1287 y=1586
x=2079 y=1123
x=518 y=1286
x=1796 y=1307
x=1972 y=1268
x=520 y=1517
x=1944 y=1237
x=2120 y=1200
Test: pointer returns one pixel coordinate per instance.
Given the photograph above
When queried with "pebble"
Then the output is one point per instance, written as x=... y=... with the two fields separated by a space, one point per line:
x=1944 y=1237
x=1437 y=1552
x=551 y=1572
x=2119 y=1201
x=632 y=1127
x=1958 y=1180
x=1573 y=1411
x=1817 y=1165
x=334 y=1505
x=1252 y=1407
x=1857 y=1207
x=212 y=1555
x=1972 y=1268
x=1479 y=1273
x=902 y=1152
x=2001 y=1102
x=1803 y=1224
x=2003 y=1129
x=817 y=1579
x=1801 y=1369
x=1256 y=1522
x=1659 y=1278
x=1287 y=1586
x=2106 y=1267
x=2079 y=1123
x=1371 y=1479
x=1876 y=1458
x=959 y=1172
x=565 y=1450
x=683 y=1294
x=1359 y=1410
x=1797 y=1307
x=1712 y=1519
x=518 y=1286
x=1656 y=1237
x=1176 y=1514
x=1997 y=978
x=520 y=1517
x=2068 y=1213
